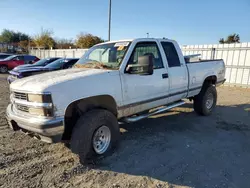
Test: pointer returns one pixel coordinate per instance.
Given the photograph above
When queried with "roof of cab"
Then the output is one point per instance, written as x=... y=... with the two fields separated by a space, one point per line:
x=130 y=40
x=113 y=41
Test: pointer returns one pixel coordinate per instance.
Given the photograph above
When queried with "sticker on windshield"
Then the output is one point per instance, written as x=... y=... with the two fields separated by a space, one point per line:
x=120 y=48
x=121 y=44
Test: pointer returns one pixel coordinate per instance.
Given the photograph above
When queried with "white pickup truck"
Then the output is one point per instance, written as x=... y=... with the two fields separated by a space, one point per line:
x=117 y=81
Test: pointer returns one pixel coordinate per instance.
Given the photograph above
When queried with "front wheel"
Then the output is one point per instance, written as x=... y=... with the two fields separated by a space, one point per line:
x=3 y=69
x=205 y=101
x=95 y=134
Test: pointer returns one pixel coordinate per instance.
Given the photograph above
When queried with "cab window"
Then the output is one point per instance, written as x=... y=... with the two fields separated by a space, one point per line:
x=18 y=58
x=171 y=54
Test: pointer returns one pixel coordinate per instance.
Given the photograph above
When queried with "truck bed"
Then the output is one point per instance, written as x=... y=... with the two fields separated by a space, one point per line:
x=199 y=70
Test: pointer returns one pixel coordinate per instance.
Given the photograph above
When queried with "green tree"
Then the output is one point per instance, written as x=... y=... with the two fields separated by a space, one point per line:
x=44 y=39
x=233 y=38
x=87 y=40
x=9 y=36
x=222 y=41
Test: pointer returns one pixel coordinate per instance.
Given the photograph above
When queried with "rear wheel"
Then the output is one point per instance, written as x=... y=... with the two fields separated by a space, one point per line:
x=3 y=69
x=205 y=101
x=95 y=134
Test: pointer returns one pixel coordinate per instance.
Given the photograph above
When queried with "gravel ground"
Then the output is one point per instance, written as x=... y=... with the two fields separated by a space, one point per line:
x=174 y=149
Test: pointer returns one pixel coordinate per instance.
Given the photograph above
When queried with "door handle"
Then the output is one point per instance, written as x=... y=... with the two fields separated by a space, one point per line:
x=165 y=75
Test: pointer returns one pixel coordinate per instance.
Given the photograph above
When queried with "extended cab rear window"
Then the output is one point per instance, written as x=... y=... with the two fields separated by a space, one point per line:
x=171 y=54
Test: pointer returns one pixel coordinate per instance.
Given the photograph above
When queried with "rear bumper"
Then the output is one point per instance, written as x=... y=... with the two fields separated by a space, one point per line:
x=47 y=130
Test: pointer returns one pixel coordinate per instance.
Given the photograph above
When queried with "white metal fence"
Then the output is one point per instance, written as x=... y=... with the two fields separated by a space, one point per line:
x=236 y=58
x=71 y=53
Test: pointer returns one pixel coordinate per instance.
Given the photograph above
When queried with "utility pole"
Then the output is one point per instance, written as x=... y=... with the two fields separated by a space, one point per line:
x=29 y=46
x=109 y=20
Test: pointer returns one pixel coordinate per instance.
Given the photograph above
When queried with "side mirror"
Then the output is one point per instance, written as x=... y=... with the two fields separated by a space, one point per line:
x=145 y=66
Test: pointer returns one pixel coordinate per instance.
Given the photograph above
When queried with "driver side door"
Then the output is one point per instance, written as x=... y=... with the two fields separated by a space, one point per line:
x=142 y=92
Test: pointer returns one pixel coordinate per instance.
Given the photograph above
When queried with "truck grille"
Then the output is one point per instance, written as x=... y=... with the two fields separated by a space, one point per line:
x=22 y=96
x=22 y=108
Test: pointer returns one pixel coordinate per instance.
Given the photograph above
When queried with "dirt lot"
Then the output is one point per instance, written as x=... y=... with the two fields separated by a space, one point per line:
x=174 y=149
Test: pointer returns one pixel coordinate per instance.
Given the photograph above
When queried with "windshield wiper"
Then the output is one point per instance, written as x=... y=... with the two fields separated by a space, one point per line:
x=94 y=65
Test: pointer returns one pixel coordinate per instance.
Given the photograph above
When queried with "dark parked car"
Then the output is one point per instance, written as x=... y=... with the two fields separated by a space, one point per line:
x=56 y=65
x=16 y=60
x=4 y=55
x=40 y=63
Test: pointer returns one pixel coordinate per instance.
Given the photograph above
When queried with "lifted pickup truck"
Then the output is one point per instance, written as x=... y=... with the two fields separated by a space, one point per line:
x=117 y=81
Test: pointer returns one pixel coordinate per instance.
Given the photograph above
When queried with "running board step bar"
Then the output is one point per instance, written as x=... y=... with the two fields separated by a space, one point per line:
x=160 y=110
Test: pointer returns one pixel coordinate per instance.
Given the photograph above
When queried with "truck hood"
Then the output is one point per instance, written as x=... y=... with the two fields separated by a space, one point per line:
x=26 y=72
x=39 y=83
x=22 y=67
x=28 y=69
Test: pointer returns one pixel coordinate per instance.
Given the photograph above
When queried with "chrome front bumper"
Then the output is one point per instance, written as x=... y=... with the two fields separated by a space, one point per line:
x=45 y=129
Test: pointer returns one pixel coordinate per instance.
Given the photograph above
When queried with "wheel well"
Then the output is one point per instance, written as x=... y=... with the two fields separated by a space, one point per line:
x=79 y=107
x=211 y=80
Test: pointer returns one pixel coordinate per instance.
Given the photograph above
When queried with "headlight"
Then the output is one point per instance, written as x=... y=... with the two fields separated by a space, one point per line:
x=41 y=98
x=41 y=111
x=44 y=100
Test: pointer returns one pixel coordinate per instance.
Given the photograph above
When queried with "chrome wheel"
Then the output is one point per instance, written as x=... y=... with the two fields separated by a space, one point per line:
x=3 y=69
x=101 y=139
x=209 y=101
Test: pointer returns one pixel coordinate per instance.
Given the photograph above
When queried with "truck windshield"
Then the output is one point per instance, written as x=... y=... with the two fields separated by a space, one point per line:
x=104 y=56
x=57 y=64
x=41 y=62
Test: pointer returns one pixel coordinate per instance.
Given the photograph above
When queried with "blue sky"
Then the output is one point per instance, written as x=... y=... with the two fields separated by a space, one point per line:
x=187 y=21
